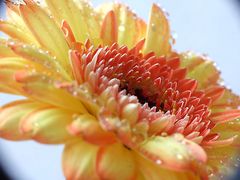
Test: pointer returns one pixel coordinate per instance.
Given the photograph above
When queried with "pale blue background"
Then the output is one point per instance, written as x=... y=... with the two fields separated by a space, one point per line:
x=205 y=26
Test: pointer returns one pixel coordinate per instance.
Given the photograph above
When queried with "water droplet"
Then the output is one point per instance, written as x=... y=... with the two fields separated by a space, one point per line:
x=179 y=137
x=18 y=2
x=179 y=156
x=75 y=93
x=158 y=161
x=47 y=64
x=36 y=125
x=118 y=124
x=164 y=134
x=153 y=27
x=174 y=35
x=121 y=28
x=11 y=43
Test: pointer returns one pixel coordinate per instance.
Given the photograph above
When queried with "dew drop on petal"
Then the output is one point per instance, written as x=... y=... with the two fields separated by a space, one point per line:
x=153 y=27
x=164 y=134
x=158 y=161
x=121 y=28
x=36 y=125
x=179 y=156
x=75 y=93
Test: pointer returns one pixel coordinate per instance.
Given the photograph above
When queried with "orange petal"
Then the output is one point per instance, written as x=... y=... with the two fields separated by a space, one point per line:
x=116 y=162
x=109 y=29
x=158 y=33
x=90 y=130
x=225 y=116
x=47 y=125
x=229 y=100
x=174 y=153
x=10 y=116
x=76 y=66
x=228 y=131
x=151 y=170
x=79 y=161
x=215 y=92
x=46 y=31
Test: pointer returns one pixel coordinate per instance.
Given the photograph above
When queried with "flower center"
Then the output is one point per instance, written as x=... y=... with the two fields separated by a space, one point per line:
x=158 y=84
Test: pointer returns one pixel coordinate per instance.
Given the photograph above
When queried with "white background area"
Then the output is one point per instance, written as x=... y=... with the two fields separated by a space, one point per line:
x=205 y=26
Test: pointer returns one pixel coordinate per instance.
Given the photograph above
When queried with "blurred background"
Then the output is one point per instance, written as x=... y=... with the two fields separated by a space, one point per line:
x=209 y=27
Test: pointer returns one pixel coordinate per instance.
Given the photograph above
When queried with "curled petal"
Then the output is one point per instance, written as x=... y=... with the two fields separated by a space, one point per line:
x=79 y=159
x=90 y=130
x=174 y=153
x=151 y=170
x=10 y=116
x=121 y=160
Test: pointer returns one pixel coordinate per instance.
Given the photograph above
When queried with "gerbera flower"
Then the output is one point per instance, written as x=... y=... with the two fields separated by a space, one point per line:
x=112 y=90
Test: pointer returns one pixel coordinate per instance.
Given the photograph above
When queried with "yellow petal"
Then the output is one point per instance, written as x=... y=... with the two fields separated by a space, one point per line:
x=158 y=33
x=229 y=100
x=228 y=130
x=222 y=160
x=116 y=162
x=10 y=116
x=15 y=32
x=38 y=55
x=78 y=15
x=46 y=32
x=131 y=29
x=174 y=153
x=152 y=171
x=201 y=69
x=5 y=50
x=10 y=65
x=79 y=161
x=109 y=29
x=14 y=17
x=44 y=91
x=47 y=125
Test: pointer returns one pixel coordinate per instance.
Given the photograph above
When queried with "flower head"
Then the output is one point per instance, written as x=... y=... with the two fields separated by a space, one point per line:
x=112 y=90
